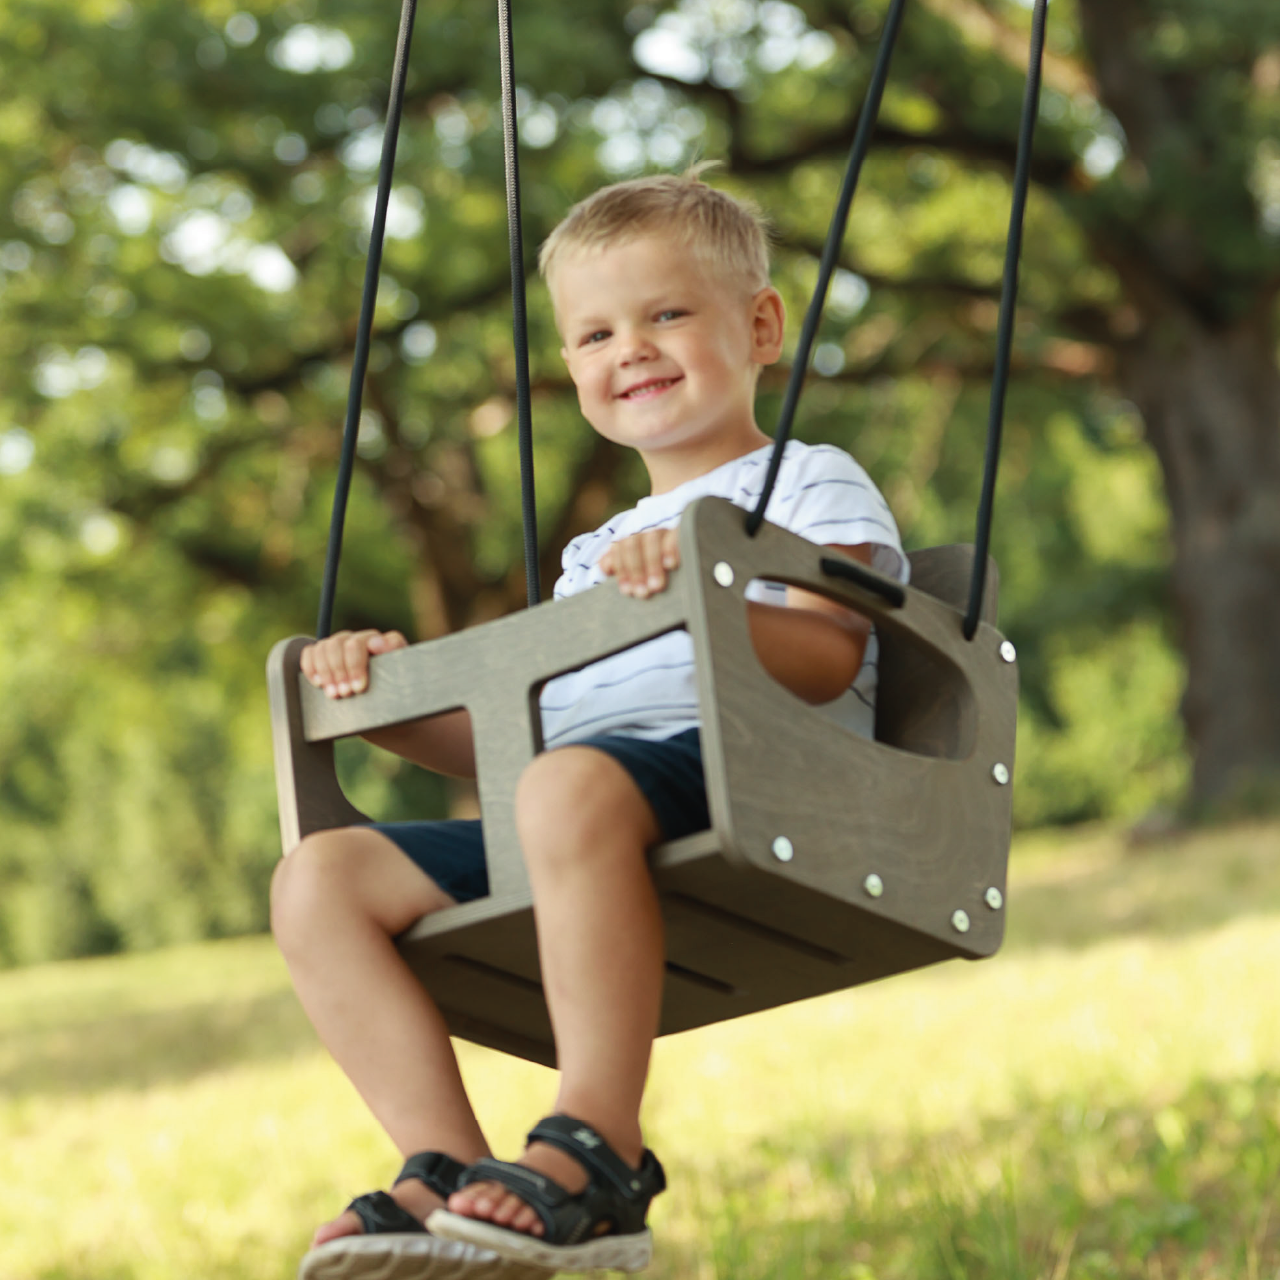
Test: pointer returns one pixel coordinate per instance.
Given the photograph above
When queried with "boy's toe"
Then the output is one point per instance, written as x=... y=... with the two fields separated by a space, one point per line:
x=475 y=1201
x=527 y=1221
x=345 y=1224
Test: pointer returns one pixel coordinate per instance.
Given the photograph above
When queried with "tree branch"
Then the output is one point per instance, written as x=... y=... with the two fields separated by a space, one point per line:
x=1054 y=172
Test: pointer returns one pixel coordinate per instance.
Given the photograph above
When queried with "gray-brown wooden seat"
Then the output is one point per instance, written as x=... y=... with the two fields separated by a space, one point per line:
x=832 y=860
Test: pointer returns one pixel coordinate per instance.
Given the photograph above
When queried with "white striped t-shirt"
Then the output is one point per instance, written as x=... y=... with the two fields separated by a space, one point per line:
x=649 y=691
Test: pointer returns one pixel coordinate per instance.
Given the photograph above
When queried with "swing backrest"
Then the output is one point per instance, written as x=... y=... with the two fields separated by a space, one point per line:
x=832 y=859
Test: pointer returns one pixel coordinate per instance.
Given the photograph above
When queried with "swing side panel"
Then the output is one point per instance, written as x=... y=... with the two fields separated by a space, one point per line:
x=744 y=931
x=934 y=828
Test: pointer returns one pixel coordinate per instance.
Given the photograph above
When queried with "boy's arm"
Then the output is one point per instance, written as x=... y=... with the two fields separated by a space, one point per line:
x=339 y=665
x=813 y=646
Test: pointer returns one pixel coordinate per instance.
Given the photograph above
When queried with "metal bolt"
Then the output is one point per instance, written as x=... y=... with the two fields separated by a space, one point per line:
x=960 y=921
x=1008 y=652
x=1000 y=772
x=783 y=849
x=873 y=885
x=723 y=573
x=993 y=898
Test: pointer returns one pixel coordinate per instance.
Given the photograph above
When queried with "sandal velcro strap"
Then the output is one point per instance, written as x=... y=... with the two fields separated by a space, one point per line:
x=380 y=1215
x=606 y=1168
x=438 y=1172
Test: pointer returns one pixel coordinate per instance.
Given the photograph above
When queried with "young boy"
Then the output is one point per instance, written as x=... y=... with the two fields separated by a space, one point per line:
x=662 y=298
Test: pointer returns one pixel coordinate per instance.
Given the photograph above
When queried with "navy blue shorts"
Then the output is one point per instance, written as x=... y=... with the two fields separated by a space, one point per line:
x=668 y=773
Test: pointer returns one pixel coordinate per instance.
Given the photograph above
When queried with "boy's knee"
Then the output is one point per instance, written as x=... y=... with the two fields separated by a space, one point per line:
x=314 y=870
x=568 y=801
x=555 y=784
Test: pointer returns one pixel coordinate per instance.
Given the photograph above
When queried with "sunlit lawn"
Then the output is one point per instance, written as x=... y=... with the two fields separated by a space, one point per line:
x=1102 y=1099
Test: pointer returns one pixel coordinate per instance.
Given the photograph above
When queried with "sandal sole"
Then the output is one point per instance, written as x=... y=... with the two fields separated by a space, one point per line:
x=607 y=1253
x=411 y=1257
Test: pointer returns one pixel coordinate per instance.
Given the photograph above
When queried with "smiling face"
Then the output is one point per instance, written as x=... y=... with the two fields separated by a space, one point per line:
x=664 y=354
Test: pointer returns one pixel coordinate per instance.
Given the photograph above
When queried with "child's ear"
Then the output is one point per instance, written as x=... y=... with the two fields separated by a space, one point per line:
x=768 y=321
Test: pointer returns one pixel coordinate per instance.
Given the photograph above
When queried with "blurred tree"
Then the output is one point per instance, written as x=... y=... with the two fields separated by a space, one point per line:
x=184 y=196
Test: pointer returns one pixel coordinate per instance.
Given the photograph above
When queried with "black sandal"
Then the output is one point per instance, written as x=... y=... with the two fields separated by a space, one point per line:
x=615 y=1198
x=397 y=1246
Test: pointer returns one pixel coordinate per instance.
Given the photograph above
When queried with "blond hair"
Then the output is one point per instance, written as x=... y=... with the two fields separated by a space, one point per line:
x=729 y=235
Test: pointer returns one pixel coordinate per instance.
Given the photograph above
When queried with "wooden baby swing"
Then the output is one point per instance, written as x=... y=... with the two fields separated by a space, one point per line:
x=895 y=859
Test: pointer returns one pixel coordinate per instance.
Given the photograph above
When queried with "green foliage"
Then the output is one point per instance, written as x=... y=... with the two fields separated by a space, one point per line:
x=1096 y=1193
x=184 y=191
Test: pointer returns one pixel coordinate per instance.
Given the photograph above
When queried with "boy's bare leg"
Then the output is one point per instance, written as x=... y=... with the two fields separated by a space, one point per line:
x=584 y=828
x=337 y=901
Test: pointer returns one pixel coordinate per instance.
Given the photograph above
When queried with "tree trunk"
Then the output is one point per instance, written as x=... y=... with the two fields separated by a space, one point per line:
x=1210 y=398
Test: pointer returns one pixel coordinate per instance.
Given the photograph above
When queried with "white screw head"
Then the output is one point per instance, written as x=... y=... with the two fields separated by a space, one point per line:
x=993 y=898
x=1008 y=652
x=723 y=573
x=783 y=849
x=873 y=885
x=960 y=921
x=1000 y=772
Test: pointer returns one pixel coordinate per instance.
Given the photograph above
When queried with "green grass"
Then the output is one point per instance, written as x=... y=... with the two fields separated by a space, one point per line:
x=1101 y=1100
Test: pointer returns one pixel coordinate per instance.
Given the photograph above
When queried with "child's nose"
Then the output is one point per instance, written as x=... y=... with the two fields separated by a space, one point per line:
x=635 y=346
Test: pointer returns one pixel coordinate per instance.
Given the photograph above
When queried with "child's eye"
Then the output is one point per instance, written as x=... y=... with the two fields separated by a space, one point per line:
x=671 y=313
x=599 y=335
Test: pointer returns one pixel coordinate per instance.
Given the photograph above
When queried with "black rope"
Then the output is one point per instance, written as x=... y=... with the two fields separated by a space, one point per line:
x=830 y=254
x=1004 y=332
x=364 y=330
x=519 y=313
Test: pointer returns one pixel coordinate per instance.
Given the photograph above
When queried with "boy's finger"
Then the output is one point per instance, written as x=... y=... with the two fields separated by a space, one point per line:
x=333 y=657
x=671 y=548
x=322 y=664
x=386 y=641
x=653 y=567
x=355 y=653
x=630 y=559
x=617 y=554
x=331 y=662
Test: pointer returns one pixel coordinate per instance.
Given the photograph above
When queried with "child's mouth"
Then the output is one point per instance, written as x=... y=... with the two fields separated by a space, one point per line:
x=651 y=388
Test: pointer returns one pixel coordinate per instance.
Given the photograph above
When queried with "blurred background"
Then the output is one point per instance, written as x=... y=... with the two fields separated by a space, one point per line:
x=185 y=192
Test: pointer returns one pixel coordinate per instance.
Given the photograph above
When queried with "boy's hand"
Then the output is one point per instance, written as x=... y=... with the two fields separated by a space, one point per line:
x=641 y=562
x=339 y=664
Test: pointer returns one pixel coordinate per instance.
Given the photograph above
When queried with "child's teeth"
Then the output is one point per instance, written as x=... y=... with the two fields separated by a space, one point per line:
x=650 y=386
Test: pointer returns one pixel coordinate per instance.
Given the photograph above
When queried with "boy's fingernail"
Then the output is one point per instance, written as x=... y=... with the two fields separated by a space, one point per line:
x=669 y=562
x=331 y=690
x=357 y=686
x=655 y=581
x=343 y=688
